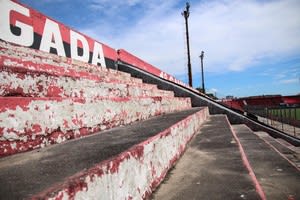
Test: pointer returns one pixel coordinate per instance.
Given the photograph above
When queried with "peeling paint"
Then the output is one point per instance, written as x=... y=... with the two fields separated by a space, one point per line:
x=47 y=99
x=131 y=175
x=26 y=118
x=40 y=85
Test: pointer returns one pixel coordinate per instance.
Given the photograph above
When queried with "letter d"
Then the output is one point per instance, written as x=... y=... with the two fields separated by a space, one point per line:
x=75 y=37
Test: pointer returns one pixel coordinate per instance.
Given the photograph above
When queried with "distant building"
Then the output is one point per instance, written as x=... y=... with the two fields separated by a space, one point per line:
x=229 y=97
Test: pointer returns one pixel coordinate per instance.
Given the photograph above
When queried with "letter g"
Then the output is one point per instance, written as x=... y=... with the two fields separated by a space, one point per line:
x=26 y=36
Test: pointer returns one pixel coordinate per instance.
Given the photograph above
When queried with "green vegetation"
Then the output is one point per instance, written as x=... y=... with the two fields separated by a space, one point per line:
x=291 y=113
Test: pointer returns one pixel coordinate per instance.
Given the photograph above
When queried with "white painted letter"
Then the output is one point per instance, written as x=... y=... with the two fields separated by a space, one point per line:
x=98 y=55
x=75 y=37
x=26 y=36
x=52 y=38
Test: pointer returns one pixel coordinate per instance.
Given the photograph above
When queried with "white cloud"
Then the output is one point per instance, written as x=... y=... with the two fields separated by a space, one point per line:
x=235 y=35
x=241 y=33
x=110 y=6
x=212 y=90
x=290 y=81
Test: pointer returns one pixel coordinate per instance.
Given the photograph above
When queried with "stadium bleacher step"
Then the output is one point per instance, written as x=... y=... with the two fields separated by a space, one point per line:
x=225 y=161
x=292 y=153
x=15 y=52
x=279 y=178
x=120 y=163
x=28 y=123
x=18 y=67
x=211 y=167
x=46 y=99
x=39 y=84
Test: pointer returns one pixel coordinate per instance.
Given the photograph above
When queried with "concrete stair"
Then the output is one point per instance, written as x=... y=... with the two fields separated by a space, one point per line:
x=279 y=178
x=71 y=130
x=211 y=167
x=125 y=162
x=48 y=99
x=290 y=152
x=40 y=77
x=225 y=161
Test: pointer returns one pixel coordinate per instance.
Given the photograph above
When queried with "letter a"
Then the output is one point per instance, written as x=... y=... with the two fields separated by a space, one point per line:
x=98 y=55
x=51 y=38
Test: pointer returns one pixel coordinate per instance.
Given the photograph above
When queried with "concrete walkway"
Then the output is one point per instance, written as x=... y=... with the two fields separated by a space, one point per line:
x=211 y=168
x=224 y=163
x=278 y=178
x=288 y=150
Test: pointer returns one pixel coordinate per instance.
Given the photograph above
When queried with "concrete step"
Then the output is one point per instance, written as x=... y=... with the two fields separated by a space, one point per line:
x=36 y=84
x=278 y=178
x=40 y=57
x=22 y=65
x=211 y=167
x=24 y=76
x=122 y=163
x=290 y=152
x=27 y=123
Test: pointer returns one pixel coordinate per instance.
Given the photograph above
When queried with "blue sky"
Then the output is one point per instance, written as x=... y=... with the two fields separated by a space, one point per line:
x=251 y=47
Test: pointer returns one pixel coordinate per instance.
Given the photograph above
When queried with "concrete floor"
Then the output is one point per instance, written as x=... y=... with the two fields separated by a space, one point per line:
x=213 y=167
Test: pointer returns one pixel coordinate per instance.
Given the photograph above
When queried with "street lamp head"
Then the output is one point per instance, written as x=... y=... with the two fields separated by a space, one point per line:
x=202 y=55
x=187 y=6
x=186 y=12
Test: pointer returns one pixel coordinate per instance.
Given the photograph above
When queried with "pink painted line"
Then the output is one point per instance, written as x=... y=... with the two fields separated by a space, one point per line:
x=247 y=164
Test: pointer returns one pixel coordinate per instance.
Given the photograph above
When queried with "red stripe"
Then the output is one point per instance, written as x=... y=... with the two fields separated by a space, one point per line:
x=247 y=164
x=139 y=63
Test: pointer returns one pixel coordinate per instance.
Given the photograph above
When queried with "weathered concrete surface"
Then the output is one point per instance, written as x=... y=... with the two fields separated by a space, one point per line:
x=122 y=163
x=211 y=168
x=29 y=123
x=23 y=64
x=36 y=56
x=24 y=77
x=278 y=177
x=201 y=100
x=47 y=99
x=38 y=84
x=290 y=152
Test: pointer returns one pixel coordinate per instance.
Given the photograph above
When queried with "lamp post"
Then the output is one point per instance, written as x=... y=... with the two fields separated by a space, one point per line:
x=201 y=57
x=186 y=14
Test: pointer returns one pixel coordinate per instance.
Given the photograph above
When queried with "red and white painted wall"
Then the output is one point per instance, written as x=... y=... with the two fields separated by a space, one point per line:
x=43 y=104
x=24 y=26
x=27 y=27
